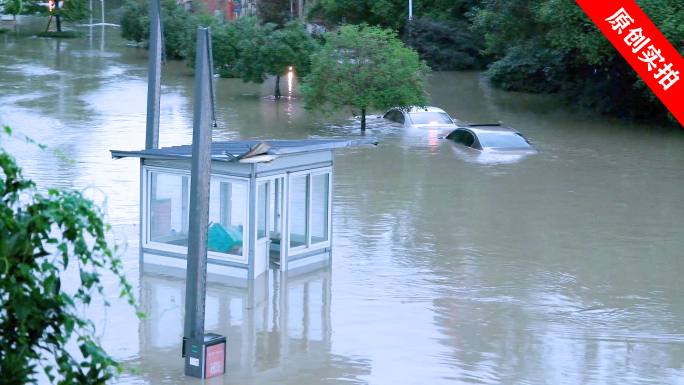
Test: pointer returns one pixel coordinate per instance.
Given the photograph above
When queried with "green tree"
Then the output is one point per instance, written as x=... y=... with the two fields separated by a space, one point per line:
x=40 y=234
x=228 y=41
x=12 y=7
x=67 y=10
x=364 y=67
x=272 y=51
x=180 y=26
x=276 y=11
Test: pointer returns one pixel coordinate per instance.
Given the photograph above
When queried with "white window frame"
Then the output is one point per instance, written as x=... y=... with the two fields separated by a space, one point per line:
x=292 y=251
x=149 y=244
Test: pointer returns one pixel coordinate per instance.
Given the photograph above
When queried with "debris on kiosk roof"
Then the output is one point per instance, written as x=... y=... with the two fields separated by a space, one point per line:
x=247 y=151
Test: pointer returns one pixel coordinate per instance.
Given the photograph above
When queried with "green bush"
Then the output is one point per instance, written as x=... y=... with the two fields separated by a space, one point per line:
x=527 y=69
x=180 y=26
x=63 y=34
x=40 y=234
x=5 y=30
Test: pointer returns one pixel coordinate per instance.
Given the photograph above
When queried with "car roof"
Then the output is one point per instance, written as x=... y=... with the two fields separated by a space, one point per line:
x=425 y=109
x=491 y=128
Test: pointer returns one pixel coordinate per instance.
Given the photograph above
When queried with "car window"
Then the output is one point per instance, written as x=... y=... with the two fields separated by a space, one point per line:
x=430 y=118
x=503 y=140
x=400 y=117
x=392 y=115
x=467 y=139
x=455 y=135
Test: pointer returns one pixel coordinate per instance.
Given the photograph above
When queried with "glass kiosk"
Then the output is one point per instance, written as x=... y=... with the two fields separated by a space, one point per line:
x=270 y=204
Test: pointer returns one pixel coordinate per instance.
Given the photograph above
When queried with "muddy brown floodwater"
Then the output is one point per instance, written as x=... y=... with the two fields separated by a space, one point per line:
x=448 y=267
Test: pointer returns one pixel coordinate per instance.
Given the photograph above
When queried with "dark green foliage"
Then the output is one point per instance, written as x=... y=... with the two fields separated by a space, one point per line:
x=225 y=39
x=134 y=18
x=228 y=41
x=5 y=30
x=276 y=11
x=40 y=233
x=12 y=7
x=527 y=68
x=364 y=67
x=552 y=45
x=445 y=45
x=385 y=13
x=180 y=26
x=63 y=34
x=267 y=51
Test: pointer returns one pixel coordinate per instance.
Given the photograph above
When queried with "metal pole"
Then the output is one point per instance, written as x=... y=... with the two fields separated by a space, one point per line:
x=195 y=292
x=154 y=77
x=410 y=9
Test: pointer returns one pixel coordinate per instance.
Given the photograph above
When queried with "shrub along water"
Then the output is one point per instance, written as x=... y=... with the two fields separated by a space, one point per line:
x=40 y=234
x=180 y=26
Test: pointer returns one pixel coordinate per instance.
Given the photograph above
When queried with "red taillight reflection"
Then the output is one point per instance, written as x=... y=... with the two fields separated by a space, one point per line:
x=432 y=140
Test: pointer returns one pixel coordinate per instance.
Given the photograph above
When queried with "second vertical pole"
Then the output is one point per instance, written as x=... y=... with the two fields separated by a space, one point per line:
x=154 y=76
x=199 y=191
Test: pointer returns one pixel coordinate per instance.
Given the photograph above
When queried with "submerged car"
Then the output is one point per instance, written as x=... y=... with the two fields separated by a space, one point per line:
x=421 y=117
x=492 y=138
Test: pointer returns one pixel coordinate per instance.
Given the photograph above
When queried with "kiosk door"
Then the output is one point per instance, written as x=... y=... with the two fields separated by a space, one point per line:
x=269 y=222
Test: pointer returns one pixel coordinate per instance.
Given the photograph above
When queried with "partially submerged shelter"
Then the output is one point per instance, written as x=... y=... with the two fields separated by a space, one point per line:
x=270 y=201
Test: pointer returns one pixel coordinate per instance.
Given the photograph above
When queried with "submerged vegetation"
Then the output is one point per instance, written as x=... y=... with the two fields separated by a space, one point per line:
x=63 y=34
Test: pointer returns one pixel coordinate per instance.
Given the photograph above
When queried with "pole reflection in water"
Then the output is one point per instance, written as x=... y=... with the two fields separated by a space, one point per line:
x=278 y=321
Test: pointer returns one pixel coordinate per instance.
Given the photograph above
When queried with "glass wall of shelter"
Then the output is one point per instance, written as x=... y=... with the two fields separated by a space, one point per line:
x=258 y=216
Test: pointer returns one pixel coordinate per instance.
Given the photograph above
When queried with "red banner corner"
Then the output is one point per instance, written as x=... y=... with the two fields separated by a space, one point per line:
x=644 y=47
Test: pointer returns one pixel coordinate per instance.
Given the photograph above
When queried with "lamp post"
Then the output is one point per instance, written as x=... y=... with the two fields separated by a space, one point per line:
x=410 y=9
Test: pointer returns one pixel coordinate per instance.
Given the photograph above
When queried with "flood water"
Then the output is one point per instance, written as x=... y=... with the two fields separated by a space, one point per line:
x=447 y=267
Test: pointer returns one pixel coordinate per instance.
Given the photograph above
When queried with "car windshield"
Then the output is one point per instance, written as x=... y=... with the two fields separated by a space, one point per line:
x=430 y=118
x=489 y=139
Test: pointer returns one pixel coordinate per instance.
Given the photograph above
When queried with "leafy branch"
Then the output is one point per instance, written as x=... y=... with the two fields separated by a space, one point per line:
x=39 y=236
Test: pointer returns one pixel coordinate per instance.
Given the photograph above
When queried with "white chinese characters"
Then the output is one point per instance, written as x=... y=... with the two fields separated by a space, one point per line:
x=670 y=76
x=636 y=39
x=652 y=56
x=620 y=20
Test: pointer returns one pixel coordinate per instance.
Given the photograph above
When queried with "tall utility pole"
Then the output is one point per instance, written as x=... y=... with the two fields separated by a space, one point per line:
x=195 y=291
x=154 y=76
x=410 y=9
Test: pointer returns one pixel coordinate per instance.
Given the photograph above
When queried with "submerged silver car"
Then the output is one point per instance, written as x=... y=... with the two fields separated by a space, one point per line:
x=421 y=117
x=492 y=138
